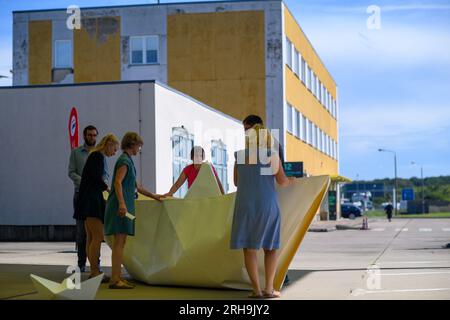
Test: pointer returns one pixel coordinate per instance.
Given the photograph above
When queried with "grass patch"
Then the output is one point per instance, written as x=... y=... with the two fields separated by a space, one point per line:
x=426 y=215
x=382 y=214
x=375 y=214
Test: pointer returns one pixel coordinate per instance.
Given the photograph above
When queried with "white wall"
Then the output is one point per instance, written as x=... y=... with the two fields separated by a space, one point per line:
x=34 y=185
x=175 y=109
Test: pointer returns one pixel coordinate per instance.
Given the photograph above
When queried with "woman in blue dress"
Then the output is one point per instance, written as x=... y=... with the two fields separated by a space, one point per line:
x=256 y=220
x=120 y=202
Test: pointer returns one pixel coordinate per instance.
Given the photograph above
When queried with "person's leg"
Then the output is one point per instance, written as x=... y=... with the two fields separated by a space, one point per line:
x=96 y=235
x=88 y=239
x=81 y=244
x=270 y=265
x=251 y=264
x=117 y=253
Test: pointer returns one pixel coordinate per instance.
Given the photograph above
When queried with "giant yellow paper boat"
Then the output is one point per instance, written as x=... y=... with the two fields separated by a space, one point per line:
x=185 y=242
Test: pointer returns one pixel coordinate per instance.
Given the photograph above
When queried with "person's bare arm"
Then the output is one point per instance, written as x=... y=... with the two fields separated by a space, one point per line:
x=235 y=175
x=120 y=175
x=280 y=175
x=177 y=185
x=147 y=193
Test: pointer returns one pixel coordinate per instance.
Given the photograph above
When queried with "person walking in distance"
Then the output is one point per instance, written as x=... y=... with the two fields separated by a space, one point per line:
x=388 y=210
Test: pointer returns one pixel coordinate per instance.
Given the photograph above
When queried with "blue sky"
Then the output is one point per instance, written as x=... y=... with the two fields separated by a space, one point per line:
x=393 y=82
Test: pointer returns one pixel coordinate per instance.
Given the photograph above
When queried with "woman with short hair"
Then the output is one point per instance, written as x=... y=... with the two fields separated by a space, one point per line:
x=120 y=202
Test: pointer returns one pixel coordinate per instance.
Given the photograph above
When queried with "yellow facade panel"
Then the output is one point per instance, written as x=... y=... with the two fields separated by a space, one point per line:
x=314 y=162
x=97 y=50
x=222 y=54
x=204 y=91
x=40 y=52
x=179 y=44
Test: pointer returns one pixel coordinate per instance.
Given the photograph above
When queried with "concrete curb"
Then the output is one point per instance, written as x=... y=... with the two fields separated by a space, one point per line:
x=345 y=227
x=321 y=229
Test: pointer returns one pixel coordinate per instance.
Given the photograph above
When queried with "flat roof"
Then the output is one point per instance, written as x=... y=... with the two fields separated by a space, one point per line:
x=148 y=5
x=79 y=84
x=83 y=84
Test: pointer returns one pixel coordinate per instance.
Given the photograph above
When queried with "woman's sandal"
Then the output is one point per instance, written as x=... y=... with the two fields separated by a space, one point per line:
x=124 y=285
x=128 y=283
x=272 y=294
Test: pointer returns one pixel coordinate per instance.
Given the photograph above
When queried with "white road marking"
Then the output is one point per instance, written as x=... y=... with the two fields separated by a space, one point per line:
x=413 y=273
x=415 y=262
x=401 y=229
x=378 y=229
x=425 y=230
x=446 y=229
x=359 y=292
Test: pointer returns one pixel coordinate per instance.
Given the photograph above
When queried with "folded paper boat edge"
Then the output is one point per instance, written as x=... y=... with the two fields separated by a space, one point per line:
x=47 y=289
x=185 y=242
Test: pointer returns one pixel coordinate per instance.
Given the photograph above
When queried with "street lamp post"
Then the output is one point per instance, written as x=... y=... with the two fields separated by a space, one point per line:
x=423 y=186
x=395 y=177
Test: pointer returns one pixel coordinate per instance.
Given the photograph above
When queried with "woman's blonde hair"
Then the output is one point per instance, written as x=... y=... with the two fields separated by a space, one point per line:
x=258 y=136
x=131 y=139
x=106 y=140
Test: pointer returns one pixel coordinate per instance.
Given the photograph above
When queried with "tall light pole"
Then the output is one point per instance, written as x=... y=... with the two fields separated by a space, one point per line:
x=423 y=186
x=395 y=177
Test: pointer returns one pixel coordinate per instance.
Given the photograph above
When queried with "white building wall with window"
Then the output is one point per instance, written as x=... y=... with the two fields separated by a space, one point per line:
x=206 y=125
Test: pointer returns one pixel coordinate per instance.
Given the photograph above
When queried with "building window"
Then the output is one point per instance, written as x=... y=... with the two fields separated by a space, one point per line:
x=317 y=138
x=323 y=142
x=297 y=123
x=144 y=50
x=289 y=53
x=332 y=148
x=313 y=85
x=329 y=102
x=309 y=80
x=63 y=54
x=335 y=150
x=289 y=117
x=182 y=143
x=303 y=70
x=304 y=127
x=322 y=95
x=317 y=88
x=319 y=97
x=219 y=159
x=296 y=63
x=328 y=145
x=314 y=135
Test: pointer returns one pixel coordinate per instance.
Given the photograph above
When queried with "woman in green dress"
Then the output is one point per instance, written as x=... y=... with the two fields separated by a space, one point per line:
x=120 y=202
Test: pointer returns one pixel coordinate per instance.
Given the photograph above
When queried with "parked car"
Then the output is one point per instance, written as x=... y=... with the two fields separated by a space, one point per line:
x=350 y=211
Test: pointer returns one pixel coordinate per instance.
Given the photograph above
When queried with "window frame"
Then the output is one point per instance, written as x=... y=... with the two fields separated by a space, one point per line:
x=221 y=168
x=55 y=66
x=183 y=160
x=144 y=50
